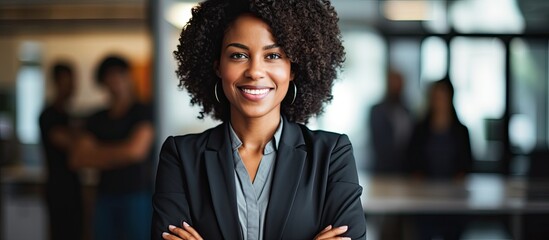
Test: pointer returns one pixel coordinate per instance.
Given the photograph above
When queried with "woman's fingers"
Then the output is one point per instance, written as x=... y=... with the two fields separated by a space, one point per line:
x=191 y=230
x=337 y=238
x=324 y=231
x=177 y=233
x=168 y=236
x=332 y=233
x=185 y=233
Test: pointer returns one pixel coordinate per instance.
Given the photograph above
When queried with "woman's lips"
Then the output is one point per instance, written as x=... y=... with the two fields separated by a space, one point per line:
x=254 y=93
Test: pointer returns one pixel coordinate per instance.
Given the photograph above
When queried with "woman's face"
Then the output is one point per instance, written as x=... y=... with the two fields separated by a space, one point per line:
x=441 y=101
x=255 y=72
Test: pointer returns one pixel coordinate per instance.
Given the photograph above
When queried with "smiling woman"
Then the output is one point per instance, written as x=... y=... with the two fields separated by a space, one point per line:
x=254 y=71
x=260 y=174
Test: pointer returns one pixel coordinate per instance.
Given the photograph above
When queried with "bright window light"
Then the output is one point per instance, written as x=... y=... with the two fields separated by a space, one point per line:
x=29 y=103
x=487 y=16
x=478 y=74
x=361 y=85
x=522 y=132
x=179 y=13
x=434 y=55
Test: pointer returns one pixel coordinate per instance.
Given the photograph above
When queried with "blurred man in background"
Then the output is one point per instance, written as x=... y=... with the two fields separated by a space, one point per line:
x=118 y=142
x=391 y=125
x=63 y=189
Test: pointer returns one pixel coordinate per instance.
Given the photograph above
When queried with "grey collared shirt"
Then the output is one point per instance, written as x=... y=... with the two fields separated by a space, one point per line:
x=252 y=198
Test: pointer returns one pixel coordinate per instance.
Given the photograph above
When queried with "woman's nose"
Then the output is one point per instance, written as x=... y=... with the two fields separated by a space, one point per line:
x=256 y=69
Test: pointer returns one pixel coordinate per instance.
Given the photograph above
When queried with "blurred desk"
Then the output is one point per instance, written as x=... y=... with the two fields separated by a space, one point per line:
x=477 y=194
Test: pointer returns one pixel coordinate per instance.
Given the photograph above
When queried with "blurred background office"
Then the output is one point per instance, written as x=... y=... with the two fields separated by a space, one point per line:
x=495 y=53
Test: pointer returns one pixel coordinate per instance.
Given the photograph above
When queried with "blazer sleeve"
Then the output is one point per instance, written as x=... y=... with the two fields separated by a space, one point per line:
x=343 y=205
x=170 y=204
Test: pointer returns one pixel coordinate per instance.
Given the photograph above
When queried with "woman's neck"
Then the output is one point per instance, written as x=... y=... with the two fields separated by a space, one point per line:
x=255 y=133
x=441 y=122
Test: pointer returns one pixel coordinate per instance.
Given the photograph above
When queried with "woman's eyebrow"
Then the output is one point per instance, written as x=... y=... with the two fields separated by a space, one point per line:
x=238 y=45
x=271 y=46
x=242 y=46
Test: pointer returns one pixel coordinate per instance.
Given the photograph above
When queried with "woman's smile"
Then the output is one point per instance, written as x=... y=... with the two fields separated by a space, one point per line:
x=254 y=93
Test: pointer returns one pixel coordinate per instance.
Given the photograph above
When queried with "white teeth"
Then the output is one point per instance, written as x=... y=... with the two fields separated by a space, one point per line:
x=256 y=91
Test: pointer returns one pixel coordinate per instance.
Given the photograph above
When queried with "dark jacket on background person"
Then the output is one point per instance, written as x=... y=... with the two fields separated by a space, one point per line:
x=391 y=125
x=440 y=155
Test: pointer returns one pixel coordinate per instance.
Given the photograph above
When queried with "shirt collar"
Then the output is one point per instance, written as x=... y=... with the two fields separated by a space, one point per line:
x=269 y=148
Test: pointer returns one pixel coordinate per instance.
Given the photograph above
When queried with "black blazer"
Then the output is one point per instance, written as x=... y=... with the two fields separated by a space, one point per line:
x=315 y=184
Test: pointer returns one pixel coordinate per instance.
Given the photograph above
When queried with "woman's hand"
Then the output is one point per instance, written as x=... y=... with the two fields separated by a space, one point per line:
x=330 y=233
x=185 y=233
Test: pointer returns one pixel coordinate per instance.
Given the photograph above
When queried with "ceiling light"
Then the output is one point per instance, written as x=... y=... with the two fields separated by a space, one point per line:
x=399 y=10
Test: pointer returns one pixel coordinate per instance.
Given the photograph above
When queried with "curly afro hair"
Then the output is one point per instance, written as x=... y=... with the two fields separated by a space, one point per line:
x=306 y=30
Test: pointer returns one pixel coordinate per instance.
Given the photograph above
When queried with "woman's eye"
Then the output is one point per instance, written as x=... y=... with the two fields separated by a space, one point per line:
x=274 y=56
x=238 y=56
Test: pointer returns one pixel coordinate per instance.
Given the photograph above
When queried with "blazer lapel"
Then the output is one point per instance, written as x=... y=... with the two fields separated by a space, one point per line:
x=287 y=174
x=220 y=170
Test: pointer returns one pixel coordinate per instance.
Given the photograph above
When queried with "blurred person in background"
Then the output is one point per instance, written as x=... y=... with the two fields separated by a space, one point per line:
x=118 y=142
x=440 y=147
x=391 y=125
x=63 y=189
x=440 y=150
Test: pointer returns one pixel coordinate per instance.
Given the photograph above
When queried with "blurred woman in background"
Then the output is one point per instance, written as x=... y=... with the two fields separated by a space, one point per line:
x=440 y=146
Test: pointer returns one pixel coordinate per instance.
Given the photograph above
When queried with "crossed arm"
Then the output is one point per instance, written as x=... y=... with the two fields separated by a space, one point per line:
x=186 y=232
x=89 y=152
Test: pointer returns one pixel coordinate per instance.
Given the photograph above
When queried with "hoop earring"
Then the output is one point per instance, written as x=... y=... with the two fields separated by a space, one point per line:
x=215 y=92
x=295 y=93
